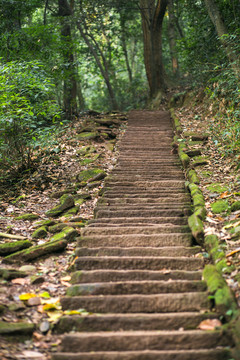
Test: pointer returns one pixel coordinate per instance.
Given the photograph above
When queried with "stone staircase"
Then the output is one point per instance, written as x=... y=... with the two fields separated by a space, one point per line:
x=137 y=272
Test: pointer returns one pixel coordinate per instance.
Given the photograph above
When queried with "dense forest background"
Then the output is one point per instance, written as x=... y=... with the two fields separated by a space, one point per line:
x=61 y=58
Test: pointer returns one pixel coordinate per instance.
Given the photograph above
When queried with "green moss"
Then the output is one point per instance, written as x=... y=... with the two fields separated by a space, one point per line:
x=27 y=217
x=45 y=223
x=235 y=206
x=211 y=241
x=67 y=233
x=57 y=228
x=206 y=173
x=88 y=174
x=14 y=246
x=200 y=162
x=76 y=277
x=21 y=328
x=217 y=188
x=193 y=177
x=66 y=202
x=197 y=228
x=86 y=150
x=40 y=233
x=220 y=206
x=72 y=211
x=185 y=159
x=87 y=136
x=79 y=202
x=201 y=212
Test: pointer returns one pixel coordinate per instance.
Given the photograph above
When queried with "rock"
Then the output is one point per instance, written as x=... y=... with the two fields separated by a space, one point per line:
x=85 y=175
x=201 y=161
x=58 y=194
x=40 y=233
x=36 y=280
x=2 y=309
x=35 y=301
x=18 y=306
x=68 y=233
x=220 y=206
x=20 y=328
x=45 y=223
x=73 y=211
x=98 y=177
x=94 y=184
x=196 y=136
x=217 y=188
x=27 y=217
x=193 y=177
x=235 y=206
x=108 y=122
x=87 y=150
x=28 y=268
x=197 y=228
x=9 y=274
x=82 y=195
x=66 y=202
x=36 y=251
x=14 y=246
x=79 y=202
x=194 y=152
x=85 y=136
x=44 y=326
x=57 y=228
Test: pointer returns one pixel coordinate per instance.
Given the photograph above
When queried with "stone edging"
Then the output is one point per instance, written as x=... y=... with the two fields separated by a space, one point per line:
x=221 y=294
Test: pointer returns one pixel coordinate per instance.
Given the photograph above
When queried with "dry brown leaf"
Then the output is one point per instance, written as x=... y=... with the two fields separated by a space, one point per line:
x=20 y=281
x=209 y=324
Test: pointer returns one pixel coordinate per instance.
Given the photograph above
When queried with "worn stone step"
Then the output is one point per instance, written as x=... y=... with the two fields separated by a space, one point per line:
x=166 y=229
x=155 y=240
x=143 y=207
x=135 y=221
x=139 y=251
x=199 y=354
x=140 y=193
x=155 y=184
x=114 y=322
x=136 y=287
x=150 y=340
x=142 y=213
x=138 y=263
x=89 y=276
x=142 y=201
x=137 y=303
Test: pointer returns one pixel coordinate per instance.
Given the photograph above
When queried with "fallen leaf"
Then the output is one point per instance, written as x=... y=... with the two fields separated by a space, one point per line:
x=67 y=284
x=20 y=281
x=33 y=355
x=209 y=324
x=66 y=278
x=45 y=295
x=26 y=296
x=54 y=315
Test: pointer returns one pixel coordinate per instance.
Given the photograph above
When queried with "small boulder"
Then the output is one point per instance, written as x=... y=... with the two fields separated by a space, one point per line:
x=27 y=217
x=40 y=233
x=68 y=233
x=66 y=202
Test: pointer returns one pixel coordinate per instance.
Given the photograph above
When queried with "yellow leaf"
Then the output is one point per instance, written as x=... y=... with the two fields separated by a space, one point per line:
x=76 y=312
x=54 y=315
x=26 y=296
x=50 y=307
x=45 y=295
x=209 y=324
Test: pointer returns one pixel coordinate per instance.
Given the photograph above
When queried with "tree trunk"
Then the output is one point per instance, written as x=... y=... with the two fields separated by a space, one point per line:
x=152 y=13
x=70 y=83
x=172 y=38
x=103 y=67
x=215 y=16
x=124 y=47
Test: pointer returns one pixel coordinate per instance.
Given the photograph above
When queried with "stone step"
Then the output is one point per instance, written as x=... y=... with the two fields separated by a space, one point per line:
x=138 y=263
x=92 y=276
x=139 y=251
x=126 y=192
x=114 y=322
x=136 y=221
x=150 y=340
x=144 y=201
x=199 y=354
x=155 y=184
x=137 y=303
x=137 y=230
x=142 y=213
x=155 y=240
x=136 y=287
x=144 y=207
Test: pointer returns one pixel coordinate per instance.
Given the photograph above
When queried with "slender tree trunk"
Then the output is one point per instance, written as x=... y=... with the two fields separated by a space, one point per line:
x=215 y=15
x=70 y=83
x=172 y=38
x=124 y=47
x=103 y=66
x=152 y=13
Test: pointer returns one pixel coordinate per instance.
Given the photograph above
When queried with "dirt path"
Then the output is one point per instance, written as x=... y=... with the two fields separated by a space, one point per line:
x=137 y=273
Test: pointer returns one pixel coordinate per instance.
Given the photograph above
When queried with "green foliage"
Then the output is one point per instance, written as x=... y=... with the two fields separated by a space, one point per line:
x=27 y=111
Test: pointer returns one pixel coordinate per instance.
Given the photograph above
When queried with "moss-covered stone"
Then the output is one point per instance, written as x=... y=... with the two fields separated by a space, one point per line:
x=83 y=195
x=201 y=212
x=176 y=122
x=197 y=228
x=194 y=152
x=217 y=188
x=73 y=211
x=193 y=177
x=235 y=206
x=86 y=150
x=217 y=286
x=14 y=246
x=85 y=175
x=68 y=233
x=206 y=173
x=200 y=161
x=40 y=233
x=219 y=206
x=79 y=202
x=9 y=274
x=57 y=228
x=36 y=251
x=98 y=177
x=66 y=202
x=185 y=159
x=58 y=194
x=85 y=136
x=27 y=217
x=20 y=328
x=195 y=136
x=211 y=241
